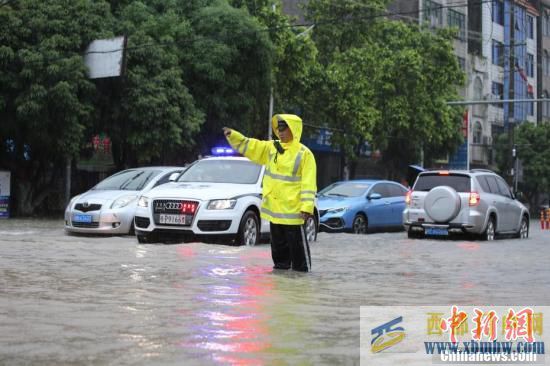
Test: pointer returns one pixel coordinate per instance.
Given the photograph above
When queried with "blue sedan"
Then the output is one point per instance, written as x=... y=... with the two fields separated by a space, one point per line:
x=359 y=206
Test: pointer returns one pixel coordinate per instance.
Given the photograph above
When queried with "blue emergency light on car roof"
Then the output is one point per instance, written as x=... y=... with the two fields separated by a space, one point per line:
x=223 y=151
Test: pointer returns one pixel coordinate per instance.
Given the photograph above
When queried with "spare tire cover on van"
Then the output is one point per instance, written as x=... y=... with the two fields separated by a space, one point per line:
x=442 y=204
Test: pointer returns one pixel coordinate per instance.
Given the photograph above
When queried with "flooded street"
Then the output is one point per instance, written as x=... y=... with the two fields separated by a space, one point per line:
x=111 y=301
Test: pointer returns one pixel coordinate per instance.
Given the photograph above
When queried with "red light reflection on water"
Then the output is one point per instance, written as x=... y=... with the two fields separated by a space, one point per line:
x=234 y=313
x=185 y=252
x=468 y=246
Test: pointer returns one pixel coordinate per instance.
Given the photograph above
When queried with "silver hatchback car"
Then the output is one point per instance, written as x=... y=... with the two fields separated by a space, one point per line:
x=463 y=201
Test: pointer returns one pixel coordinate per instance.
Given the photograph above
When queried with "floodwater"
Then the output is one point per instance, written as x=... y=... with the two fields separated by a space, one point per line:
x=76 y=300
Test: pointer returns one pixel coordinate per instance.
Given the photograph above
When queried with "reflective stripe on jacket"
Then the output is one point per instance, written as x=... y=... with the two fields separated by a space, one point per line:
x=290 y=179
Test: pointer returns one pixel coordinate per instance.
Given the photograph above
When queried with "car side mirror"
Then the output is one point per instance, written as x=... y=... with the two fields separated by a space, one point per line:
x=173 y=177
x=374 y=196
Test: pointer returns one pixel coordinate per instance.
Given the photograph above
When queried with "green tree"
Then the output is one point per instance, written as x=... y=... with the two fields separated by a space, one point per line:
x=151 y=113
x=385 y=82
x=533 y=150
x=45 y=96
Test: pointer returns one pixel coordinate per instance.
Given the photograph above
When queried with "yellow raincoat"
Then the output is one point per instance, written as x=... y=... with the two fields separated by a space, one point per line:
x=290 y=179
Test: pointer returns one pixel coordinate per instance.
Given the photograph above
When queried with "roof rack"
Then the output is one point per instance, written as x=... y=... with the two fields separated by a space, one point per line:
x=482 y=170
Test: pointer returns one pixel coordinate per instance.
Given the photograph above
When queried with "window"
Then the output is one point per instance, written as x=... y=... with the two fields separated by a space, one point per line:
x=530 y=106
x=530 y=27
x=396 y=191
x=381 y=189
x=478 y=132
x=425 y=182
x=462 y=63
x=503 y=188
x=433 y=13
x=492 y=182
x=546 y=24
x=546 y=63
x=483 y=183
x=498 y=12
x=545 y=105
x=530 y=65
x=457 y=20
x=497 y=89
x=498 y=53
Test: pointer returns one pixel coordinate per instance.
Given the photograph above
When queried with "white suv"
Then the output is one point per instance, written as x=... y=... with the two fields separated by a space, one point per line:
x=216 y=197
x=452 y=202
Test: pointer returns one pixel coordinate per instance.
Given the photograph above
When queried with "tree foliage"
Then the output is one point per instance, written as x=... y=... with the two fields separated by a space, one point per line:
x=533 y=151
x=45 y=96
x=384 y=82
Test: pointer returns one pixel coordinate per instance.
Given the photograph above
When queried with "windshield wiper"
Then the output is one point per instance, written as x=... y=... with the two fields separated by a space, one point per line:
x=127 y=183
x=337 y=194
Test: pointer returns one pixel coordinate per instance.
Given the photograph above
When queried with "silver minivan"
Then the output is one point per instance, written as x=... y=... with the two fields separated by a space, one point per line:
x=475 y=201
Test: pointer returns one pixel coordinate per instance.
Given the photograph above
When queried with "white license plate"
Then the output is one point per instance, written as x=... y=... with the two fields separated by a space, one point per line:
x=175 y=219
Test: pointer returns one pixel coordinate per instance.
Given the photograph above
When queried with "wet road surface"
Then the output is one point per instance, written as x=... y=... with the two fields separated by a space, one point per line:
x=76 y=300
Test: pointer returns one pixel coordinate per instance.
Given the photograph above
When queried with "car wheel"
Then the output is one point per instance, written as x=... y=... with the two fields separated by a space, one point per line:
x=146 y=238
x=489 y=233
x=523 y=232
x=311 y=229
x=360 y=224
x=249 y=229
x=414 y=234
x=132 y=229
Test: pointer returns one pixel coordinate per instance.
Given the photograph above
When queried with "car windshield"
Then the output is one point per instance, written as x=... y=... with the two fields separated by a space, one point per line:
x=128 y=180
x=460 y=183
x=348 y=189
x=222 y=171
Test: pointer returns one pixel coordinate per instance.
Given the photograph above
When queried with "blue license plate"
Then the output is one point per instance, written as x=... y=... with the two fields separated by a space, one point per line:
x=437 y=231
x=82 y=218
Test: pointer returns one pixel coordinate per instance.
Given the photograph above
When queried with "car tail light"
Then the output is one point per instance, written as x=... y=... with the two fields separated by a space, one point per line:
x=408 y=198
x=474 y=199
x=444 y=172
x=188 y=207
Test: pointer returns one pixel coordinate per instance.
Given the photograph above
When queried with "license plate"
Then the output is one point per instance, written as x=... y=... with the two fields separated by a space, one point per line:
x=82 y=218
x=436 y=231
x=175 y=219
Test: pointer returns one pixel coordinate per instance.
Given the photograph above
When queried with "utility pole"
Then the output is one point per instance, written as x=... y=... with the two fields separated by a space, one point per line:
x=510 y=121
x=269 y=127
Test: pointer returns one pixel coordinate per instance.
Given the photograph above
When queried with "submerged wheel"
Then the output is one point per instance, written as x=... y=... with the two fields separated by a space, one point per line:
x=311 y=229
x=360 y=224
x=249 y=229
x=523 y=232
x=490 y=231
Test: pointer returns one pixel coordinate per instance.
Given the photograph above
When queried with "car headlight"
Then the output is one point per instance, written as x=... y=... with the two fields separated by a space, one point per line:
x=221 y=204
x=143 y=201
x=123 y=201
x=337 y=210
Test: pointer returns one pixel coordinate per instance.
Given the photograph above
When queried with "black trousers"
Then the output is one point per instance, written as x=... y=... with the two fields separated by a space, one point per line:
x=287 y=248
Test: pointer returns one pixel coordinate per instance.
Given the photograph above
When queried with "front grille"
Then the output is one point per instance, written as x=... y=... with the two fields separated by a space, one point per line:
x=214 y=225
x=177 y=207
x=87 y=207
x=142 y=222
x=88 y=225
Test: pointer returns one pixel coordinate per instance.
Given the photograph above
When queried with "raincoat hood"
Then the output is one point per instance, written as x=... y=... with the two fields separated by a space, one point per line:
x=294 y=123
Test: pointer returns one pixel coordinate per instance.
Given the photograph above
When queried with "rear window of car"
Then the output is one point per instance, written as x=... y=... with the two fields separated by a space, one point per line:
x=459 y=182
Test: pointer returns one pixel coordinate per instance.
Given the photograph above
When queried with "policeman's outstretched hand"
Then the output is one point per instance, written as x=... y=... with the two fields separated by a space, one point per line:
x=226 y=131
x=304 y=215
